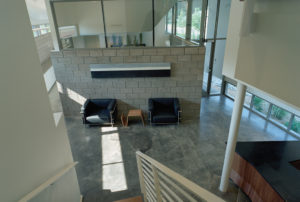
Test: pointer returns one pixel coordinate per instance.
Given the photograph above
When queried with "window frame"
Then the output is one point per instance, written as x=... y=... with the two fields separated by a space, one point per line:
x=267 y=117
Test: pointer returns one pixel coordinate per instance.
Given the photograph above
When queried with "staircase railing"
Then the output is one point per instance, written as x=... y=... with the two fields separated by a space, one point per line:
x=160 y=183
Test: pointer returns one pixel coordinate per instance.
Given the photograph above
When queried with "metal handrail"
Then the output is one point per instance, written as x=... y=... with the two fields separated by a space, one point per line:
x=187 y=184
x=47 y=183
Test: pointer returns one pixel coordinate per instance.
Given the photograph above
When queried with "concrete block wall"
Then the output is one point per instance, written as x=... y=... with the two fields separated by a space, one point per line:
x=75 y=83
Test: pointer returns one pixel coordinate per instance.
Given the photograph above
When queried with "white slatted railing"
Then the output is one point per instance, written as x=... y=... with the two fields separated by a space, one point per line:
x=161 y=184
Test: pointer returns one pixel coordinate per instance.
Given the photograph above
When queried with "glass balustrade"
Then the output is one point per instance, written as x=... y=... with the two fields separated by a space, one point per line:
x=127 y=23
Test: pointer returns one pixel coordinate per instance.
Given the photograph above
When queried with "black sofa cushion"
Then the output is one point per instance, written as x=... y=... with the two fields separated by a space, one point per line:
x=164 y=117
x=164 y=110
x=98 y=111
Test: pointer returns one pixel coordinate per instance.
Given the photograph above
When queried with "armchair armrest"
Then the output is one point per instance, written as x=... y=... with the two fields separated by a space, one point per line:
x=112 y=106
x=176 y=105
x=150 y=109
x=84 y=106
x=111 y=109
x=150 y=105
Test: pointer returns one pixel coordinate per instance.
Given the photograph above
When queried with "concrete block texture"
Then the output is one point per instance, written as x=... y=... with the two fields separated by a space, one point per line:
x=73 y=74
x=109 y=52
x=136 y=52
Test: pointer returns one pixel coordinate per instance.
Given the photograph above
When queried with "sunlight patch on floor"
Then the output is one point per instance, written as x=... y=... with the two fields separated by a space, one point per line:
x=108 y=129
x=113 y=175
x=75 y=96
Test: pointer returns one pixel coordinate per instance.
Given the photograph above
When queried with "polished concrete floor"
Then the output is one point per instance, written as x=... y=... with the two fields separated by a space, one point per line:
x=107 y=165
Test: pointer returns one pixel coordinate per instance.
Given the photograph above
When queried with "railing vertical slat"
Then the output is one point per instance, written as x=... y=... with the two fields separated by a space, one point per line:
x=150 y=191
x=173 y=194
x=156 y=184
x=141 y=176
x=166 y=195
x=184 y=193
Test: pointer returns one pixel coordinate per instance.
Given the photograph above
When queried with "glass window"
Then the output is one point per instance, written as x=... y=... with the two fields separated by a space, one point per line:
x=40 y=29
x=181 y=12
x=296 y=125
x=163 y=22
x=230 y=90
x=206 y=66
x=169 y=21
x=280 y=115
x=223 y=19
x=196 y=20
x=248 y=98
x=80 y=24
x=260 y=105
x=132 y=26
x=211 y=18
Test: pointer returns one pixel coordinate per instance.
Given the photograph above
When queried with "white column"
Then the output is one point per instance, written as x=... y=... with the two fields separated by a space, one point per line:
x=232 y=136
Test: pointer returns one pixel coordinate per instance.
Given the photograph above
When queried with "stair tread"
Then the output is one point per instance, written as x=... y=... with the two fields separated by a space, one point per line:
x=132 y=199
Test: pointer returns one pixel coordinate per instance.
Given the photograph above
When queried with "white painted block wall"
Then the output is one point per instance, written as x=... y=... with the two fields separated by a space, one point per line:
x=263 y=48
x=32 y=148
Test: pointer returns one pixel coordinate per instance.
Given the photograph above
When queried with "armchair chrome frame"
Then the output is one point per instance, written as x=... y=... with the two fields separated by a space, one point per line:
x=179 y=116
x=112 y=122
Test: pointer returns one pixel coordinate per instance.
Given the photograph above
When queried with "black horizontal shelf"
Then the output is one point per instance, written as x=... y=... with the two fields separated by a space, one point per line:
x=130 y=70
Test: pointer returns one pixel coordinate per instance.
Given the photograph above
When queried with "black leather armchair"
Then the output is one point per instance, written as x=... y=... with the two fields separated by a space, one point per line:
x=164 y=110
x=99 y=111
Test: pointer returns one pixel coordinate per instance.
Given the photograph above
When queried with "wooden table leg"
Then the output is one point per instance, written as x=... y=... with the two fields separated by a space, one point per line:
x=142 y=117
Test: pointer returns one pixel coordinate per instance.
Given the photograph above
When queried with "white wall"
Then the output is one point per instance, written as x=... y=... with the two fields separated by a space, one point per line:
x=269 y=54
x=233 y=38
x=86 y=15
x=120 y=16
x=32 y=148
x=162 y=38
x=51 y=23
x=37 y=12
x=44 y=45
x=133 y=16
x=263 y=50
x=148 y=38
x=92 y=42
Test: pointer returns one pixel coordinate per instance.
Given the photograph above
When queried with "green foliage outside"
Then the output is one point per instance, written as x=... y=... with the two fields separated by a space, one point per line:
x=278 y=113
x=257 y=103
x=181 y=19
x=296 y=126
x=196 y=16
x=196 y=21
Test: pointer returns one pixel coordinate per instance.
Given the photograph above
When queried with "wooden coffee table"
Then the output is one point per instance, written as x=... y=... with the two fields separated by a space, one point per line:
x=136 y=113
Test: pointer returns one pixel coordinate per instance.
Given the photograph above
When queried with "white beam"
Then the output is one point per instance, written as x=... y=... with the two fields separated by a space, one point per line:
x=232 y=136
